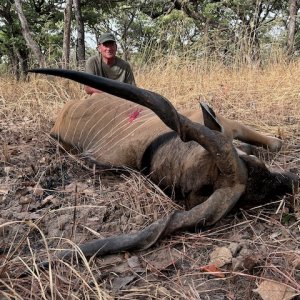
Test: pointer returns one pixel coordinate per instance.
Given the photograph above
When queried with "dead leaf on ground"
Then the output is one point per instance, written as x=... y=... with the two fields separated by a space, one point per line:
x=213 y=270
x=220 y=257
x=161 y=259
x=121 y=282
x=133 y=262
x=270 y=290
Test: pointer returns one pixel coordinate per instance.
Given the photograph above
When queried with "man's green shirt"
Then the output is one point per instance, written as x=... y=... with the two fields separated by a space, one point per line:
x=120 y=71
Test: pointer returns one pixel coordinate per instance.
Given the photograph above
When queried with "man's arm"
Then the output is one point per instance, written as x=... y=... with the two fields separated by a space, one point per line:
x=129 y=78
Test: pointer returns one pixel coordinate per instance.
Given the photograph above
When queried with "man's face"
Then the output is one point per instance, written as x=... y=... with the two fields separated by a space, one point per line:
x=108 y=49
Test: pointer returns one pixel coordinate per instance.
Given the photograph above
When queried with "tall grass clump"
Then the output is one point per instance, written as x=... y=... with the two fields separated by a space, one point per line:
x=249 y=93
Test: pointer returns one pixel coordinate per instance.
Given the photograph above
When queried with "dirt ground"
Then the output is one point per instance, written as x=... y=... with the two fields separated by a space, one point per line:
x=50 y=200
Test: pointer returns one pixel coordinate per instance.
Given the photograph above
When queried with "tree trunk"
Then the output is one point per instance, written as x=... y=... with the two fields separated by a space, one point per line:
x=27 y=35
x=67 y=34
x=80 y=49
x=14 y=62
x=291 y=26
x=22 y=56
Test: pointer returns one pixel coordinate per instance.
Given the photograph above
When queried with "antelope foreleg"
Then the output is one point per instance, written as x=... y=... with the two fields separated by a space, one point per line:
x=248 y=135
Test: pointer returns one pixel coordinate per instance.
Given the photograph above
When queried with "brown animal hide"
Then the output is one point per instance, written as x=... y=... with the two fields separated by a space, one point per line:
x=115 y=132
x=108 y=130
x=193 y=156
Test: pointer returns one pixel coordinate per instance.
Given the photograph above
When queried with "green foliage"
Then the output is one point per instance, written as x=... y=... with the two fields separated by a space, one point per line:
x=149 y=29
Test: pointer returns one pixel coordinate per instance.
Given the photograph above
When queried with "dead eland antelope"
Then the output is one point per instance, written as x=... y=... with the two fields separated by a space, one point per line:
x=188 y=152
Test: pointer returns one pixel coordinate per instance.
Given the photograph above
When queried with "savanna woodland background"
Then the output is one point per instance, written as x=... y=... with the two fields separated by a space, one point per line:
x=242 y=57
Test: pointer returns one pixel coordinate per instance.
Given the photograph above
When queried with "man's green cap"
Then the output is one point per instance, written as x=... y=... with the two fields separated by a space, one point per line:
x=107 y=37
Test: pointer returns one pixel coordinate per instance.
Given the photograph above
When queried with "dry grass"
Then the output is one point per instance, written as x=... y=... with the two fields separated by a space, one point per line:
x=86 y=203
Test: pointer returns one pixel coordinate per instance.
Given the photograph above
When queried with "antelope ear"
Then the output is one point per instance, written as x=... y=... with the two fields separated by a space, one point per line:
x=209 y=118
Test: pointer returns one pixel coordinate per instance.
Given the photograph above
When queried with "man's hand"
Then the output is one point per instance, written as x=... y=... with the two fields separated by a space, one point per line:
x=89 y=90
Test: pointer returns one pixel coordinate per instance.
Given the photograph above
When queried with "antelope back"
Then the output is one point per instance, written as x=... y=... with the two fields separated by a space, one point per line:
x=113 y=131
x=107 y=129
